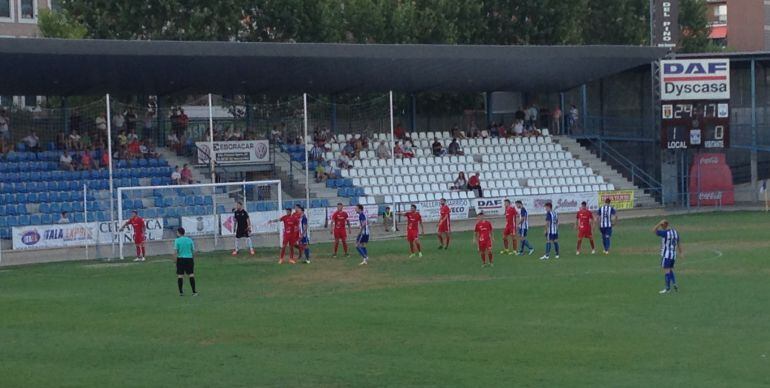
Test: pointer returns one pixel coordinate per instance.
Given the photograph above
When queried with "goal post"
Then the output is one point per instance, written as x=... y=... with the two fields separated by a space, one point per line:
x=199 y=206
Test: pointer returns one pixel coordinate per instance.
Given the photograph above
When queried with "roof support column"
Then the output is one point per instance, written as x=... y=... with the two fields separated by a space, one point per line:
x=488 y=107
x=584 y=107
x=754 y=168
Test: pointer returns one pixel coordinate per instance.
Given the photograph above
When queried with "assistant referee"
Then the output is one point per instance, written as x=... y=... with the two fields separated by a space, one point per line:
x=184 y=247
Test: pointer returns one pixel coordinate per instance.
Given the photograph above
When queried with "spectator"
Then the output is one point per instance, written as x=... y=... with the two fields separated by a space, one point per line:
x=4 y=147
x=556 y=121
x=399 y=132
x=105 y=163
x=473 y=130
x=518 y=128
x=65 y=162
x=186 y=175
x=484 y=134
x=86 y=161
x=132 y=135
x=5 y=122
x=501 y=131
x=276 y=135
x=134 y=149
x=398 y=152
x=348 y=150
x=320 y=172
x=454 y=148
x=532 y=115
x=457 y=133
x=176 y=177
x=86 y=141
x=573 y=118
x=317 y=153
x=32 y=141
x=118 y=121
x=437 y=148
x=344 y=161
x=183 y=120
x=358 y=146
x=75 y=120
x=383 y=152
x=172 y=142
x=64 y=218
x=520 y=115
x=408 y=151
x=101 y=123
x=74 y=141
x=460 y=183
x=149 y=120
x=130 y=120
x=474 y=184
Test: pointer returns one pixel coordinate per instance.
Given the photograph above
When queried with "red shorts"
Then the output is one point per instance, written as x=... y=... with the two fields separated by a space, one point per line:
x=412 y=235
x=585 y=233
x=510 y=230
x=485 y=245
x=290 y=239
x=340 y=234
x=444 y=227
x=138 y=239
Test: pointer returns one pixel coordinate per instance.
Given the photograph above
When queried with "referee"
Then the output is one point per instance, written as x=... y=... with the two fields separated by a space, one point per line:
x=184 y=247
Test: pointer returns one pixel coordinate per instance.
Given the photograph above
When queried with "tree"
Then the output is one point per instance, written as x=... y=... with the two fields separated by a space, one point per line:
x=693 y=20
x=616 y=22
x=60 y=25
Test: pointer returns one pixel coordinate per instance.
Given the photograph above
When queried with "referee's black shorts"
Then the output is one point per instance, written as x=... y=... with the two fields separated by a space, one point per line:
x=185 y=266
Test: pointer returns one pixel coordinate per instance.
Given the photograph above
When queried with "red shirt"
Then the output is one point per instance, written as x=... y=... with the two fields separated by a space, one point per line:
x=290 y=224
x=474 y=181
x=340 y=219
x=133 y=147
x=584 y=218
x=484 y=230
x=413 y=220
x=138 y=224
x=86 y=159
x=445 y=213
x=510 y=216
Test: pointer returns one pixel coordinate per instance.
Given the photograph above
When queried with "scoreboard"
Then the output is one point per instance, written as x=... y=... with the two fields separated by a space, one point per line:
x=695 y=124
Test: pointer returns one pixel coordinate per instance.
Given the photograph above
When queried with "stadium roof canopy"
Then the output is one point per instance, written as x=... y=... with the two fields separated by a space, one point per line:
x=80 y=67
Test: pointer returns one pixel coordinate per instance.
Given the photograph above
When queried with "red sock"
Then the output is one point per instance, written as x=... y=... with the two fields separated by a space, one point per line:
x=483 y=257
x=417 y=246
x=336 y=244
x=580 y=243
x=411 y=247
x=491 y=259
x=592 y=244
x=144 y=250
x=441 y=240
x=505 y=243
x=138 y=251
x=283 y=251
x=345 y=246
x=291 y=252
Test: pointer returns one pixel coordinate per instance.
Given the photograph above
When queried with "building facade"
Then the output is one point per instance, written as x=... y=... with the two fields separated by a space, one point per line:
x=740 y=25
x=18 y=18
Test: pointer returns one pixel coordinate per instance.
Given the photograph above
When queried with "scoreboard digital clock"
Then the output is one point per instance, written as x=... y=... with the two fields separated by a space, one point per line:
x=695 y=124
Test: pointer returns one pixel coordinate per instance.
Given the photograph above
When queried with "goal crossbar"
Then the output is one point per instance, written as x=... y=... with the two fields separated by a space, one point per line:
x=121 y=190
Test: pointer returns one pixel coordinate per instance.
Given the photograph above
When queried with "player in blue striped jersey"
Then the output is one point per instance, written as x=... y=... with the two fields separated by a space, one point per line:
x=304 y=233
x=551 y=231
x=607 y=217
x=523 y=228
x=363 y=234
x=670 y=248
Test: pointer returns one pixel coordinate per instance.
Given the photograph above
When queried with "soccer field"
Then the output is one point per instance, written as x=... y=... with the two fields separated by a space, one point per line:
x=441 y=320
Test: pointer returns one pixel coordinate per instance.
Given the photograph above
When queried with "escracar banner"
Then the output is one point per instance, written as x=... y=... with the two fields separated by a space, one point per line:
x=234 y=152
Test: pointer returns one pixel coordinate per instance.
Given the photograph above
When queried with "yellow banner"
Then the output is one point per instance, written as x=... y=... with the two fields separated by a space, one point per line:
x=621 y=199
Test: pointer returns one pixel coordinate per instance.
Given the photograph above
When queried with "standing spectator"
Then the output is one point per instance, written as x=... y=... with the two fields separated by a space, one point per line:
x=532 y=115
x=518 y=128
x=32 y=141
x=473 y=130
x=176 y=176
x=131 y=136
x=520 y=115
x=474 y=184
x=461 y=183
x=399 y=132
x=573 y=118
x=130 y=120
x=86 y=141
x=556 y=121
x=173 y=143
x=105 y=159
x=134 y=149
x=183 y=120
x=74 y=141
x=118 y=121
x=149 y=120
x=86 y=161
x=437 y=148
x=64 y=218
x=186 y=175
x=65 y=161
x=383 y=152
x=457 y=133
x=101 y=123
x=5 y=122
x=454 y=148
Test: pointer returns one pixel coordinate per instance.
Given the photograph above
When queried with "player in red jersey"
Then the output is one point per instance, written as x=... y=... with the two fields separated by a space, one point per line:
x=584 y=226
x=340 y=229
x=138 y=225
x=290 y=235
x=509 y=233
x=414 y=228
x=483 y=237
x=444 y=225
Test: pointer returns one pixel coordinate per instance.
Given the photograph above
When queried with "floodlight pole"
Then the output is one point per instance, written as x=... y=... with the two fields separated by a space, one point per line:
x=211 y=163
x=112 y=184
x=393 y=156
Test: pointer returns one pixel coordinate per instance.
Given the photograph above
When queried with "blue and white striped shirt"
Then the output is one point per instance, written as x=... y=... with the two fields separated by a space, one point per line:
x=524 y=219
x=552 y=222
x=363 y=221
x=303 y=225
x=669 y=240
x=605 y=216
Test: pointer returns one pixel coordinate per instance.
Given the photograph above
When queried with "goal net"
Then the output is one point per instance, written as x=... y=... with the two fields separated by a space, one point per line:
x=203 y=210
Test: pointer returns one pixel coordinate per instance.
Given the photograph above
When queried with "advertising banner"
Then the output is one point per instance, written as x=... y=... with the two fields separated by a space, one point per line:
x=371 y=212
x=234 y=152
x=621 y=199
x=153 y=228
x=430 y=210
x=535 y=204
x=200 y=225
x=260 y=222
x=711 y=181
x=666 y=23
x=695 y=79
x=54 y=236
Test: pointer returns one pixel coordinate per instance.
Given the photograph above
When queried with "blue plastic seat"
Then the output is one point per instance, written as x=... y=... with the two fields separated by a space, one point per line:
x=35 y=219
x=24 y=220
x=46 y=219
x=12 y=221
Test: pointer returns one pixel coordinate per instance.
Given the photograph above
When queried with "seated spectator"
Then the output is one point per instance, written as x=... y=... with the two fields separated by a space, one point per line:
x=5 y=122
x=86 y=161
x=316 y=153
x=105 y=159
x=460 y=183
x=64 y=218
x=151 y=153
x=118 y=121
x=73 y=141
x=134 y=149
x=454 y=148
x=4 y=147
x=457 y=133
x=501 y=131
x=398 y=152
x=176 y=176
x=65 y=162
x=320 y=173
x=186 y=175
x=132 y=136
x=32 y=141
x=358 y=145
x=484 y=134
x=408 y=151
x=101 y=123
x=344 y=161
x=383 y=152
x=474 y=184
x=173 y=143
x=437 y=148
x=349 y=150
x=86 y=141
x=122 y=138
x=518 y=128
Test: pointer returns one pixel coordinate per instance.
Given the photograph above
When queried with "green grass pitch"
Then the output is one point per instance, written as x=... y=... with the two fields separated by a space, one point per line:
x=442 y=320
